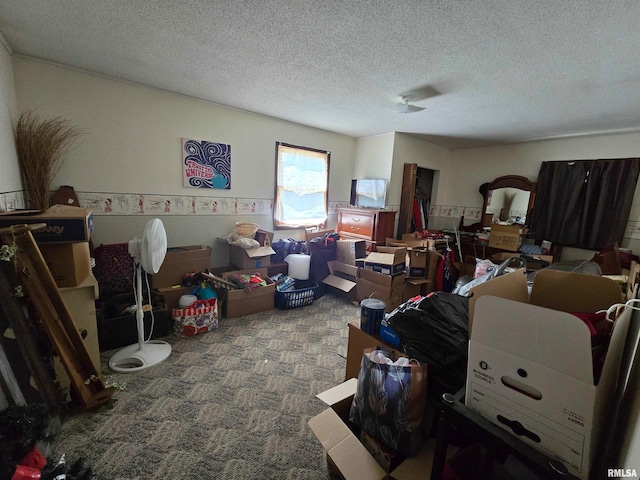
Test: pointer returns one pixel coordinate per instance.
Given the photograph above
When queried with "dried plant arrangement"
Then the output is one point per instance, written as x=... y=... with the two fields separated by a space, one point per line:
x=42 y=145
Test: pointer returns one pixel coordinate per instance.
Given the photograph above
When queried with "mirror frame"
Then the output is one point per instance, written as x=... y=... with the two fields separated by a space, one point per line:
x=513 y=181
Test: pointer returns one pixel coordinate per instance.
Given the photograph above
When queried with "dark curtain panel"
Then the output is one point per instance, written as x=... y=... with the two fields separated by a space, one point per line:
x=584 y=203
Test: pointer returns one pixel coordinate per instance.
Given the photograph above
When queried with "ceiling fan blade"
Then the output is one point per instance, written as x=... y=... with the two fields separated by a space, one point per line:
x=421 y=93
x=406 y=108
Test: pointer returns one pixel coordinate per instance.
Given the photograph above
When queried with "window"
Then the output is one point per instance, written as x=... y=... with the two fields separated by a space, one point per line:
x=302 y=185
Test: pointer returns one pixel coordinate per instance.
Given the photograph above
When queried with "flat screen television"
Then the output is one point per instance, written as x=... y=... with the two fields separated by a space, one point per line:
x=368 y=192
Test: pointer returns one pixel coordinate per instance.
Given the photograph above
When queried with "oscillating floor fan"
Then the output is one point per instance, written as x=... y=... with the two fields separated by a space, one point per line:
x=148 y=254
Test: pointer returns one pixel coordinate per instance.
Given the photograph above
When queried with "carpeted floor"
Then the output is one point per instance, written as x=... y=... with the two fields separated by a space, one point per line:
x=230 y=404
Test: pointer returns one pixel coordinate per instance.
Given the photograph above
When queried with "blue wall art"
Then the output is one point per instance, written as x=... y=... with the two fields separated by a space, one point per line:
x=206 y=164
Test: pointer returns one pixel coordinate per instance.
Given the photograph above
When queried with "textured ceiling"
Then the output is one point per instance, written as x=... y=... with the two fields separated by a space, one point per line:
x=488 y=72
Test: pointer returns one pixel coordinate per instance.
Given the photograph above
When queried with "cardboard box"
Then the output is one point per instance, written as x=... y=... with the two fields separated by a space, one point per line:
x=240 y=302
x=392 y=242
x=418 y=257
x=64 y=223
x=264 y=238
x=412 y=241
x=80 y=301
x=348 y=454
x=348 y=250
x=275 y=268
x=356 y=343
x=244 y=258
x=385 y=456
x=432 y=265
x=388 y=288
x=387 y=260
x=416 y=272
x=468 y=267
x=531 y=364
x=506 y=237
x=417 y=286
x=171 y=298
x=171 y=295
x=178 y=261
x=342 y=278
x=418 y=262
x=69 y=263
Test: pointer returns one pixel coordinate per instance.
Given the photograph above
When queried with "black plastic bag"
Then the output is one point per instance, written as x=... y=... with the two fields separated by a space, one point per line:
x=322 y=250
x=435 y=330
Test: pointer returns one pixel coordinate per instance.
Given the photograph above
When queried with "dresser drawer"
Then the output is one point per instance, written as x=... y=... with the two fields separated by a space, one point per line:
x=356 y=223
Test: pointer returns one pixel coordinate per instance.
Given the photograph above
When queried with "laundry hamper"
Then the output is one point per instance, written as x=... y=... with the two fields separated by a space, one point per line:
x=300 y=295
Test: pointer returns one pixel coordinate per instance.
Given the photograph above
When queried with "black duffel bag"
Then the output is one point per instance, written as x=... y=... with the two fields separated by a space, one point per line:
x=435 y=330
x=286 y=247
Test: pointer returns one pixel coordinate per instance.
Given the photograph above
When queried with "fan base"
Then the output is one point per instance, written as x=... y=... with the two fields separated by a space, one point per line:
x=135 y=358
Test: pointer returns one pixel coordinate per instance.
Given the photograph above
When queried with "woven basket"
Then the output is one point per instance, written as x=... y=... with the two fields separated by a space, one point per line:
x=246 y=229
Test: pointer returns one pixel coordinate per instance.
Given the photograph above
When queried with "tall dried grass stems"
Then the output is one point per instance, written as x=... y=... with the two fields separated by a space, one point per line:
x=42 y=145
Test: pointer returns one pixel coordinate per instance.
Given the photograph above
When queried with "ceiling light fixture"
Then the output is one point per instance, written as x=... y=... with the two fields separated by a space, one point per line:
x=406 y=107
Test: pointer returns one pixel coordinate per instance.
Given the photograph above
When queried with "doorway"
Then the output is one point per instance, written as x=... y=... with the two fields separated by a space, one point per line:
x=416 y=198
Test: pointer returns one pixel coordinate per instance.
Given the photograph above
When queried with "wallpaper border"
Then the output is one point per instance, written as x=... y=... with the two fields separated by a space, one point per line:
x=107 y=203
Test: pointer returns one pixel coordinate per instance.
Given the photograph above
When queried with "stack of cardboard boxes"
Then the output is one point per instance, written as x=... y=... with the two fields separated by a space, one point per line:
x=64 y=245
x=392 y=273
x=63 y=241
x=178 y=262
x=422 y=265
x=344 y=269
x=379 y=275
x=181 y=261
x=247 y=261
x=383 y=276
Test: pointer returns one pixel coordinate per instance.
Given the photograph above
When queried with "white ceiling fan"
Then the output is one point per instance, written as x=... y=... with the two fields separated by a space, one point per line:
x=148 y=254
x=405 y=107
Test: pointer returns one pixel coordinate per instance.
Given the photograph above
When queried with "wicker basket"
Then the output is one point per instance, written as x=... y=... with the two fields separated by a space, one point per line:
x=246 y=229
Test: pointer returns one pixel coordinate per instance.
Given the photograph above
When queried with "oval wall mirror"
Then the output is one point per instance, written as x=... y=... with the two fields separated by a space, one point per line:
x=509 y=199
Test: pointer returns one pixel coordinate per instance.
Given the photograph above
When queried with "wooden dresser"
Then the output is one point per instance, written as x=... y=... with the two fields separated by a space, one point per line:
x=369 y=224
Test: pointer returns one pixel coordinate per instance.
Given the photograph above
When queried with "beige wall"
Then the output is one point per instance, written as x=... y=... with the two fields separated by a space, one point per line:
x=410 y=149
x=479 y=165
x=133 y=146
x=10 y=177
x=373 y=157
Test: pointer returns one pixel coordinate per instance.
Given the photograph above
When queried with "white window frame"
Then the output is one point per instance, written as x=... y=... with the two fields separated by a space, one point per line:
x=288 y=184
